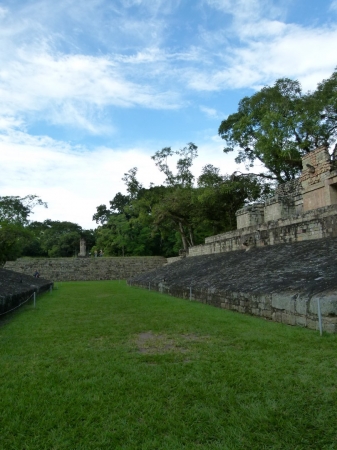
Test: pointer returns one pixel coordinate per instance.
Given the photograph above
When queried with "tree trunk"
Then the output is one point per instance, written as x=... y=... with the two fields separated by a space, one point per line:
x=183 y=237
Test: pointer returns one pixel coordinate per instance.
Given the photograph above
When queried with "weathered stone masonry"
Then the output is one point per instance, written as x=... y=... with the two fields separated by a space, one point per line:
x=302 y=209
x=16 y=288
x=86 y=269
x=279 y=282
x=316 y=224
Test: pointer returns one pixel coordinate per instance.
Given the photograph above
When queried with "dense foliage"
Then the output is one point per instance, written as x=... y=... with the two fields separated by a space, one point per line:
x=19 y=236
x=161 y=220
x=279 y=124
x=14 y=214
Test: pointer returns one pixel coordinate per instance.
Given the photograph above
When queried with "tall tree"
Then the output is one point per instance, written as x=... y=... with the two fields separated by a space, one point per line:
x=183 y=176
x=14 y=209
x=279 y=124
x=14 y=214
x=176 y=208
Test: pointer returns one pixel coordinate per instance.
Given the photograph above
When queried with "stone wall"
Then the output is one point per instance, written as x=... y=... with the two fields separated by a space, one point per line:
x=16 y=288
x=315 y=224
x=315 y=188
x=86 y=269
x=319 y=180
x=174 y=259
x=250 y=216
x=302 y=209
x=280 y=283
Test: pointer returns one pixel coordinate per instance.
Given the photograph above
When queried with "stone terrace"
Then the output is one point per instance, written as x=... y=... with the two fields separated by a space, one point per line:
x=16 y=288
x=280 y=282
x=86 y=269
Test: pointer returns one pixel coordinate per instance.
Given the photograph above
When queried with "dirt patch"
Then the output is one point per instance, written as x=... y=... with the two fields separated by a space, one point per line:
x=151 y=343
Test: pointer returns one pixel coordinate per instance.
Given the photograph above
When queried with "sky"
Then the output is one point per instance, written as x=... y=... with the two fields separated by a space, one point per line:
x=90 y=89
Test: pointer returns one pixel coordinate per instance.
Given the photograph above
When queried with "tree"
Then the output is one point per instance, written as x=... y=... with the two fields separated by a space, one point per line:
x=58 y=238
x=13 y=238
x=210 y=176
x=184 y=176
x=117 y=204
x=279 y=124
x=326 y=97
x=15 y=209
x=132 y=184
x=161 y=220
x=14 y=235
x=175 y=209
x=218 y=202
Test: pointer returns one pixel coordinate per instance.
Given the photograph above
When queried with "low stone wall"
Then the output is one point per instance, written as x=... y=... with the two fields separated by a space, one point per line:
x=315 y=224
x=86 y=269
x=280 y=307
x=16 y=288
x=280 y=283
x=174 y=259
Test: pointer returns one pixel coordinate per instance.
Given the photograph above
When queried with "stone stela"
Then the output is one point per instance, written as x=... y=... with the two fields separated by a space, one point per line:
x=83 y=248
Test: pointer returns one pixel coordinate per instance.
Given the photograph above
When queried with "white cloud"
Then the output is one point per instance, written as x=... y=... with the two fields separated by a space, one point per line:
x=333 y=5
x=74 y=181
x=66 y=88
x=211 y=112
x=248 y=10
x=262 y=61
x=73 y=89
x=3 y=12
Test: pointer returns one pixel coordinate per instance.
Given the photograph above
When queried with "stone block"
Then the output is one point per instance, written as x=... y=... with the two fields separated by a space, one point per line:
x=329 y=327
x=328 y=304
x=301 y=321
x=288 y=319
x=277 y=316
x=266 y=313
x=283 y=302
x=301 y=305
x=312 y=324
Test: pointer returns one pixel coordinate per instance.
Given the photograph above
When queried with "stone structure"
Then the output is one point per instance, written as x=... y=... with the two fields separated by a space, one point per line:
x=83 y=248
x=277 y=282
x=282 y=283
x=86 y=269
x=16 y=288
x=315 y=224
x=302 y=209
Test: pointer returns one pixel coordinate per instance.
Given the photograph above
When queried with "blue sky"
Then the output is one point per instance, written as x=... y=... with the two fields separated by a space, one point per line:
x=90 y=89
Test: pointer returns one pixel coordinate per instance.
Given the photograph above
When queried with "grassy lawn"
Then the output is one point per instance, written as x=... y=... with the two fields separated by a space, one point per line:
x=100 y=365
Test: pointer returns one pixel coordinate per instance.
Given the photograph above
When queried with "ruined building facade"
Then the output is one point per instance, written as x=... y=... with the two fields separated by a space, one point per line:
x=303 y=209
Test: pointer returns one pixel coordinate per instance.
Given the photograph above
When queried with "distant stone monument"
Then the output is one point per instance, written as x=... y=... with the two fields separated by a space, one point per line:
x=83 y=249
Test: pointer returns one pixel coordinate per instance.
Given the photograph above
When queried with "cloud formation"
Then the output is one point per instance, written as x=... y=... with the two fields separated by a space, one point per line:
x=90 y=89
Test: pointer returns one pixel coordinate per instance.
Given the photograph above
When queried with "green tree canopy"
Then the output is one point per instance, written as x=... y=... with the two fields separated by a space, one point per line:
x=16 y=210
x=14 y=234
x=279 y=124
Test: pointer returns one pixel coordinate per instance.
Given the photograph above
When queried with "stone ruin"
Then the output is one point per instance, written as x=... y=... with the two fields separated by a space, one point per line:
x=315 y=188
x=302 y=209
x=83 y=248
x=286 y=283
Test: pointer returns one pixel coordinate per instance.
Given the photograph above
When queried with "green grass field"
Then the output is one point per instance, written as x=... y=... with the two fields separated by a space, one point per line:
x=101 y=365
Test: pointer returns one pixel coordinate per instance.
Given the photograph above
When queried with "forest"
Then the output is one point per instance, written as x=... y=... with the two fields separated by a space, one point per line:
x=274 y=127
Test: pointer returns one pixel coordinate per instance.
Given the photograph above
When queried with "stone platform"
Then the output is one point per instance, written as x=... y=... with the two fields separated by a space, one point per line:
x=280 y=282
x=86 y=269
x=15 y=288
